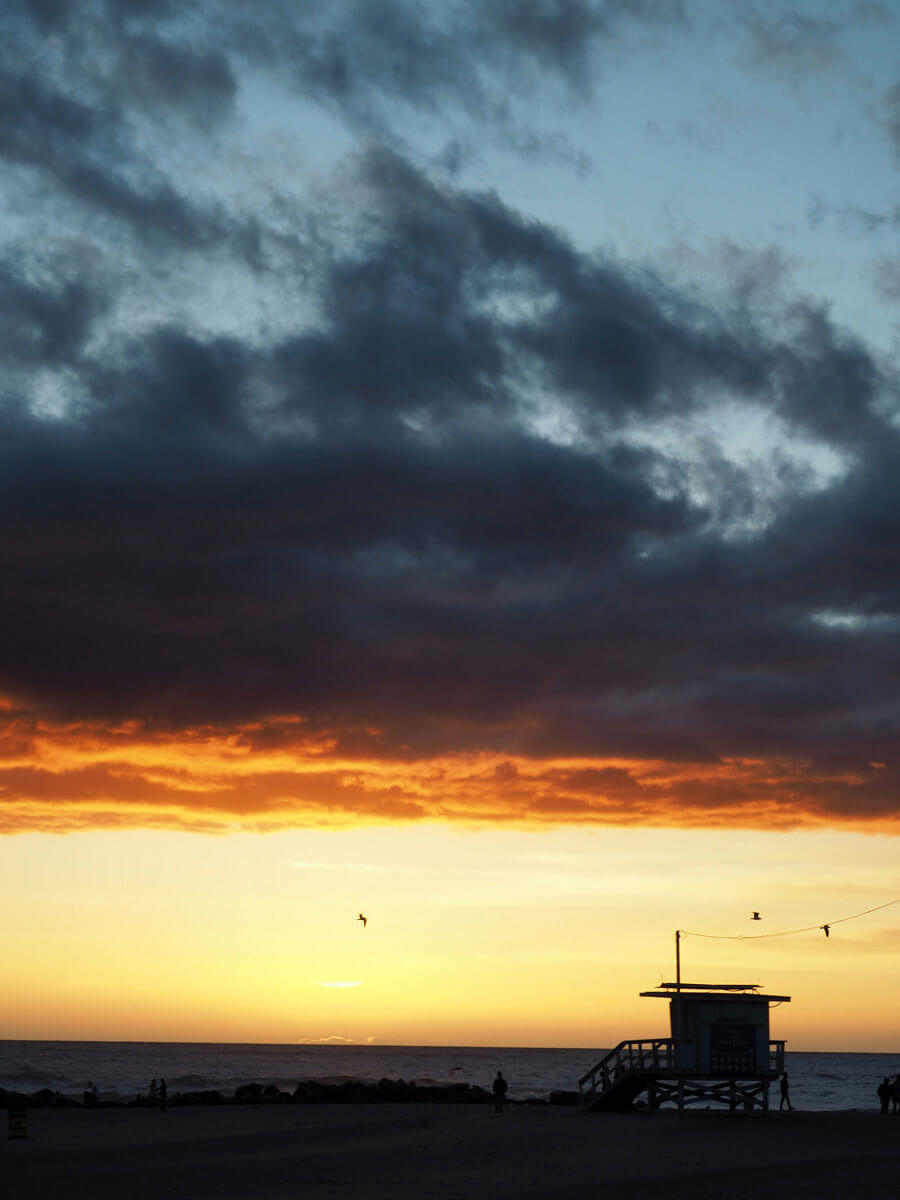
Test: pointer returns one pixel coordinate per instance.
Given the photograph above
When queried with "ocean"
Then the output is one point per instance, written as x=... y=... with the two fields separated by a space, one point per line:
x=122 y=1070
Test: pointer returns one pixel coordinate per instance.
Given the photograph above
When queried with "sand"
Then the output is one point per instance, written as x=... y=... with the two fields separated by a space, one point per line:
x=447 y=1152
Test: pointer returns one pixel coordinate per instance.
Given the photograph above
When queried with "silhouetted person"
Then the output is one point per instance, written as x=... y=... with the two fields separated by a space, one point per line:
x=785 y=1094
x=163 y=1096
x=884 y=1095
x=499 y=1092
x=152 y=1092
x=895 y=1094
x=90 y=1096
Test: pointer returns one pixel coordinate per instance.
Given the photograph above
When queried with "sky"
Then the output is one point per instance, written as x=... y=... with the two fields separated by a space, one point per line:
x=450 y=469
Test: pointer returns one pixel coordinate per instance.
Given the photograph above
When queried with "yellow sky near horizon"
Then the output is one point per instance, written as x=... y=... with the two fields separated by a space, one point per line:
x=491 y=937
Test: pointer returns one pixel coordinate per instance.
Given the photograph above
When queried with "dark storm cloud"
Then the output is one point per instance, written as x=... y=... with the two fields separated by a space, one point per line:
x=560 y=35
x=69 y=109
x=46 y=320
x=386 y=540
x=165 y=75
x=106 y=77
x=357 y=52
x=359 y=56
x=78 y=148
x=470 y=494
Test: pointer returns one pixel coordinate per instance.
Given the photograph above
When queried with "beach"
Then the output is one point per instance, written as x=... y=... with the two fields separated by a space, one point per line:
x=447 y=1152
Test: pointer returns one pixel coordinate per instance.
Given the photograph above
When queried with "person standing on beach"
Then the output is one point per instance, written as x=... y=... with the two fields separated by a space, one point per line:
x=884 y=1095
x=785 y=1094
x=163 y=1096
x=895 y=1094
x=499 y=1092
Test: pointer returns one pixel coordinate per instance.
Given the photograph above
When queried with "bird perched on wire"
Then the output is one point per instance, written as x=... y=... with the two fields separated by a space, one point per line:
x=756 y=917
x=365 y=920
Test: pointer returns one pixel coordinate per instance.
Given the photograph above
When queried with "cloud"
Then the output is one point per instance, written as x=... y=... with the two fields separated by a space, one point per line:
x=356 y=868
x=392 y=542
x=371 y=498
x=793 y=43
x=336 y=1039
x=891 y=109
x=357 y=56
x=64 y=778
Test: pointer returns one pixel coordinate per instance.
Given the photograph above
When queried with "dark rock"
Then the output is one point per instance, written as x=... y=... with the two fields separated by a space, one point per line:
x=196 y=1098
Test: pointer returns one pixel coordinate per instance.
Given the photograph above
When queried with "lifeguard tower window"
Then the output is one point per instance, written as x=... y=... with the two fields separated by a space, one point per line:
x=732 y=1049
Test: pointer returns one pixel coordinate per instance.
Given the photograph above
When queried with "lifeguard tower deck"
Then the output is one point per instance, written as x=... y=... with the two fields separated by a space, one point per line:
x=719 y=1052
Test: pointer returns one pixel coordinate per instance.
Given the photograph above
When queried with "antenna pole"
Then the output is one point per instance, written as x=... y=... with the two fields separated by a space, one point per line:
x=677 y=960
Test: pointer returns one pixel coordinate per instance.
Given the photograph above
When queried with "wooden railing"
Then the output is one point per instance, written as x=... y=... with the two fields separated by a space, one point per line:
x=644 y=1055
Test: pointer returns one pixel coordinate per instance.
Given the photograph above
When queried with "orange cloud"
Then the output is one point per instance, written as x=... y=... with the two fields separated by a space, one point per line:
x=279 y=773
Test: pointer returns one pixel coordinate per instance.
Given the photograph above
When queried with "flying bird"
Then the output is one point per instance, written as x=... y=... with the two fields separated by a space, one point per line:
x=756 y=917
x=826 y=929
x=365 y=920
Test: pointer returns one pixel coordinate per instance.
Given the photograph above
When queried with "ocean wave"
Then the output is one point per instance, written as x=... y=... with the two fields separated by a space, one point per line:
x=122 y=1071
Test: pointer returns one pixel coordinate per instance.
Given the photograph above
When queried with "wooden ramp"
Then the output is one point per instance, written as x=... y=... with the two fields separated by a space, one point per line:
x=631 y=1068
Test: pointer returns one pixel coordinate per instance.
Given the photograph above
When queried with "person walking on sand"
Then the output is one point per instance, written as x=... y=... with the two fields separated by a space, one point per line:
x=499 y=1092
x=785 y=1094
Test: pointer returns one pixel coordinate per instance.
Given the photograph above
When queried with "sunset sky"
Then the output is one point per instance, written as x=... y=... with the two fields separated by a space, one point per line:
x=451 y=472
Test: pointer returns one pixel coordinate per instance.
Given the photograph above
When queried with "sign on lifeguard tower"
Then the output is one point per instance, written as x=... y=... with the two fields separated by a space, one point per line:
x=719 y=1052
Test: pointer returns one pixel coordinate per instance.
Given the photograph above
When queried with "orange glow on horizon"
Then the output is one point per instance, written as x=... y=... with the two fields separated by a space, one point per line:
x=280 y=774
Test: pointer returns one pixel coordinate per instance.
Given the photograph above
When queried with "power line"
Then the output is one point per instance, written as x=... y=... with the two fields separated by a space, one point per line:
x=752 y=937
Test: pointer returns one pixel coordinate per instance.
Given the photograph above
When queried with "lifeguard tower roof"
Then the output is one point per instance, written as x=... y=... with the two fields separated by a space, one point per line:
x=721 y=991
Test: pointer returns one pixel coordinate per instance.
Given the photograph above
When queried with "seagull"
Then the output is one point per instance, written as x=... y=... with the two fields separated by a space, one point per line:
x=826 y=930
x=756 y=917
x=363 y=919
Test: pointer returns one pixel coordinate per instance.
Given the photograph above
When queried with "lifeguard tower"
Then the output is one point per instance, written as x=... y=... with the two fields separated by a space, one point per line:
x=719 y=1052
